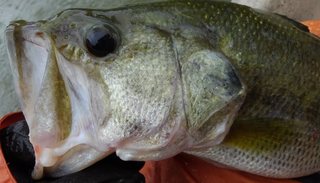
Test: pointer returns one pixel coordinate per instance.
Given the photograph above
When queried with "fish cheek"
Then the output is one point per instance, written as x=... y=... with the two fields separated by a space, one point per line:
x=52 y=120
x=145 y=95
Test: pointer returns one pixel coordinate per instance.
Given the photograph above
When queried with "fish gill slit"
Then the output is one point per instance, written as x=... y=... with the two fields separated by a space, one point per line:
x=40 y=34
x=178 y=64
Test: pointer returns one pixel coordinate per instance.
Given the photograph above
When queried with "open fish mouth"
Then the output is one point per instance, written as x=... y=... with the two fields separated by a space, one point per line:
x=37 y=81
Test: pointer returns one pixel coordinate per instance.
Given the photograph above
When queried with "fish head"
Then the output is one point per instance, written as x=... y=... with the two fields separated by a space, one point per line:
x=94 y=82
x=89 y=83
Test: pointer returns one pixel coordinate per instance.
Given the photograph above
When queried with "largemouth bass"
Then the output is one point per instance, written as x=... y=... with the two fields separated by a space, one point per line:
x=233 y=85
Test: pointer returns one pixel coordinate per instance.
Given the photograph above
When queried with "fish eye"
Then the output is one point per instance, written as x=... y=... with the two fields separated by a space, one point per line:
x=101 y=40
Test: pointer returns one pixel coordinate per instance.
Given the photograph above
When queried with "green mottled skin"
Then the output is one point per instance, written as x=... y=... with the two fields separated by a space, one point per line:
x=278 y=62
x=279 y=119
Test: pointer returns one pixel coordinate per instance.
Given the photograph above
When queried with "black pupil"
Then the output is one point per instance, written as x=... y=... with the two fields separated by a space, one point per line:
x=100 y=42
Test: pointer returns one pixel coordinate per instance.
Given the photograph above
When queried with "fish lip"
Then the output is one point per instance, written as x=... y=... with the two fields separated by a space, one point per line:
x=28 y=49
x=16 y=33
x=11 y=32
x=12 y=50
x=13 y=25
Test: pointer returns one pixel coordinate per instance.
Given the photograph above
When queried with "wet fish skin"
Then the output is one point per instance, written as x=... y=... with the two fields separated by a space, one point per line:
x=262 y=64
x=276 y=130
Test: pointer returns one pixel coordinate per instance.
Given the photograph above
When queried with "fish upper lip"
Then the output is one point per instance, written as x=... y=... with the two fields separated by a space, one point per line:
x=10 y=28
x=16 y=26
x=17 y=34
x=18 y=23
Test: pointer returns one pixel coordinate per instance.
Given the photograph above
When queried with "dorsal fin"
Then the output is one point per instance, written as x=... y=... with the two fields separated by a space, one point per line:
x=295 y=23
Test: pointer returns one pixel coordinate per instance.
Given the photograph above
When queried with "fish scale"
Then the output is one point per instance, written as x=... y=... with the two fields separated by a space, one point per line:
x=290 y=95
x=280 y=153
x=260 y=67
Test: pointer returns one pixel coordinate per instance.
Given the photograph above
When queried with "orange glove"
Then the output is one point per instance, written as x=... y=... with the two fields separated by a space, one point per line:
x=314 y=26
x=5 y=175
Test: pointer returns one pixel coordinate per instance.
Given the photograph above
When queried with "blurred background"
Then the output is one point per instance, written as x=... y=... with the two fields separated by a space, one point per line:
x=33 y=10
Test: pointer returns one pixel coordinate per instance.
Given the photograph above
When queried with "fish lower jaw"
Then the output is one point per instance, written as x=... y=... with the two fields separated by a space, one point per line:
x=50 y=164
x=73 y=154
x=37 y=172
x=45 y=156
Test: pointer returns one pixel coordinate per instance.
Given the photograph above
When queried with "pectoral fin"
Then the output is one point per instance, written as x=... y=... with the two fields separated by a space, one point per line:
x=263 y=135
x=268 y=147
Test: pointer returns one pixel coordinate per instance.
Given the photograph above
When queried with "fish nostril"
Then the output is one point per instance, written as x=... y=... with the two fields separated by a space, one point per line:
x=40 y=34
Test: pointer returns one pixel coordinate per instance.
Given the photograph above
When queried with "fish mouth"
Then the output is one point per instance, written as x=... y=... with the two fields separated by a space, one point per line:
x=45 y=102
x=26 y=50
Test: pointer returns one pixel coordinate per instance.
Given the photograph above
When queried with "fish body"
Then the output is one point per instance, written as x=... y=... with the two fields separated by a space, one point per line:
x=230 y=84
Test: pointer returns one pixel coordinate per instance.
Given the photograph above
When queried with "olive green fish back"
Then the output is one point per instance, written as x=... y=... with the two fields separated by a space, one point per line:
x=276 y=131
